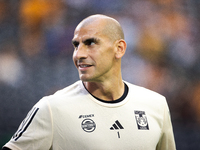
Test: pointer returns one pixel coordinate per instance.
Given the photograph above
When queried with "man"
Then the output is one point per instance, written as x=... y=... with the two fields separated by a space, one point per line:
x=101 y=111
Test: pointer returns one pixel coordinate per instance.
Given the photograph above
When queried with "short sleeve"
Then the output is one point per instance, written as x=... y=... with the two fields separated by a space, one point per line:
x=167 y=141
x=35 y=131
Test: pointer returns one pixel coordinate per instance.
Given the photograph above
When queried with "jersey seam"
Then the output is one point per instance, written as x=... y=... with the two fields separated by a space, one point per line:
x=164 y=112
x=52 y=125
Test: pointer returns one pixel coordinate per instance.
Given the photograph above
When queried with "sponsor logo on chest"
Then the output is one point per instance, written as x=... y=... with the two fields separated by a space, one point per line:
x=86 y=116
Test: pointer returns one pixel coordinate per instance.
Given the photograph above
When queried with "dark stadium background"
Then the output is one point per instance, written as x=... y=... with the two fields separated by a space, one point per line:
x=163 y=55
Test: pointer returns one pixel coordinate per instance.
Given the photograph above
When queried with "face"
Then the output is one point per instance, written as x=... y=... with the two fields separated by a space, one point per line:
x=94 y=53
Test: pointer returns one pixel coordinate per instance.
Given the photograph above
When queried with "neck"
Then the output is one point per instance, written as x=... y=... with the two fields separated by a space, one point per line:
x=108 y=91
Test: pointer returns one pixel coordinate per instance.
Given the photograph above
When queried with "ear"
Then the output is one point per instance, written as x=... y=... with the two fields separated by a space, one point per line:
x=120 y=48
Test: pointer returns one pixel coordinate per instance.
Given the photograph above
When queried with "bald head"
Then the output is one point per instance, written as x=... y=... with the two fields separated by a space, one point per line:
x=99 y=46
x=108 y=26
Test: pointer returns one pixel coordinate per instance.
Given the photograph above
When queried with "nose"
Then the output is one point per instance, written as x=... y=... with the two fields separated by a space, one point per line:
x=80 y=52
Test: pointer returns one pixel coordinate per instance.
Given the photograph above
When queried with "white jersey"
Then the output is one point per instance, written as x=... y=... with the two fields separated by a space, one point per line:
x=72 y=119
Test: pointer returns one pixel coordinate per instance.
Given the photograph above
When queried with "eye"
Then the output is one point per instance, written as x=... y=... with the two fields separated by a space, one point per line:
x=75 y=43
x=90 y=42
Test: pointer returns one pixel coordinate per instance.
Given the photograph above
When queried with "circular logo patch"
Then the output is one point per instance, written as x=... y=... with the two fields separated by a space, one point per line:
x=88 y=125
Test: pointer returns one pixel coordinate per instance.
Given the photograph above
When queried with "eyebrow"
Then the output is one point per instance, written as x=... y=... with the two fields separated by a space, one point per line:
x=74 y=42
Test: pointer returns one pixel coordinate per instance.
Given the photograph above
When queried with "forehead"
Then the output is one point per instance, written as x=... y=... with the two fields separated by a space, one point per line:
x=85 y=33
x=88 y=31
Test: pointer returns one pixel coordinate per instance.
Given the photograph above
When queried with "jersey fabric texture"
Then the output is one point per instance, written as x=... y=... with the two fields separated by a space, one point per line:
x=72 y=119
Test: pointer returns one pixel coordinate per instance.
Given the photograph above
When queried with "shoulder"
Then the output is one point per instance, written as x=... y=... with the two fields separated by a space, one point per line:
x=69 y=91
x=77 y=87
x=143 y=94
x=142 y=90
x=64 y=95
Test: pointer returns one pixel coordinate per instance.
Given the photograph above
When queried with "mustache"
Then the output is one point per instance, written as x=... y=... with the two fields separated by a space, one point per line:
x=82 y=61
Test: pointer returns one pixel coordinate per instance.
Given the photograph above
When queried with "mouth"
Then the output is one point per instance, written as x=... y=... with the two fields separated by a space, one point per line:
x=83 y=67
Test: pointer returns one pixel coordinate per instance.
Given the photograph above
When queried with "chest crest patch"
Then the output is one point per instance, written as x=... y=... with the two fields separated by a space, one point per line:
x=141 y=120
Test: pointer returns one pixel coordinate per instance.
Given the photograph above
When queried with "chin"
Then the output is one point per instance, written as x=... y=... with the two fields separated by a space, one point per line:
x=88 y=78
x=84 y=79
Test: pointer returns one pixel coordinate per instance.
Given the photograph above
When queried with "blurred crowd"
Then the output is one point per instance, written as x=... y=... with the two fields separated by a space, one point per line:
x=162 y=54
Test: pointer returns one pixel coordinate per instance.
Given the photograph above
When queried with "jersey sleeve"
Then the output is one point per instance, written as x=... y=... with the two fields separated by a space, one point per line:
x=35 y=131
x=167 y=141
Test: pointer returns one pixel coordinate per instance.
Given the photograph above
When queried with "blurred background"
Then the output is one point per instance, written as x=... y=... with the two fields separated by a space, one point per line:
x=162 y=55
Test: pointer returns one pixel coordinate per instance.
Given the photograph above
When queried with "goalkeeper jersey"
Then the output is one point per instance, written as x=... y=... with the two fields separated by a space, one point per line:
x=73 y=119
